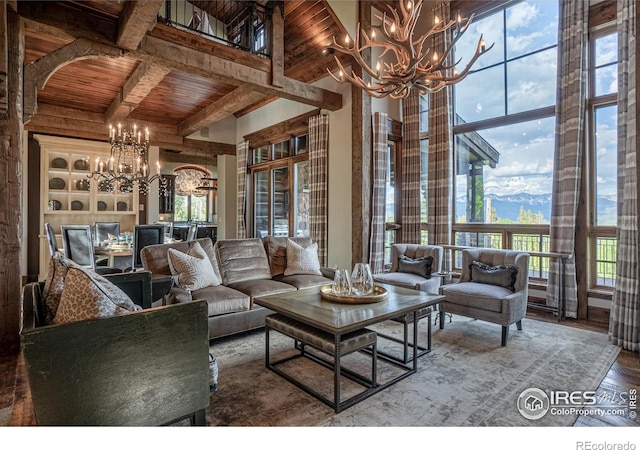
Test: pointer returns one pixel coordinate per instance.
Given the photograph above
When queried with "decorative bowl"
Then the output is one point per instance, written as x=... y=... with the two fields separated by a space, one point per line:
x=379 y=294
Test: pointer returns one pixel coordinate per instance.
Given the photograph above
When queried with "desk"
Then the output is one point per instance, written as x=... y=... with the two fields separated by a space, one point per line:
x=337 y=319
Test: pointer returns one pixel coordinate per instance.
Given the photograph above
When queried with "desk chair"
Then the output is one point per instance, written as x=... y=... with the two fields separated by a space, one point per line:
x=78 y=247
x=144 y=235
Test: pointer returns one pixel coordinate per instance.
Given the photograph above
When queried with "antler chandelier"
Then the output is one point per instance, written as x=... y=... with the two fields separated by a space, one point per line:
x=416 y=65
x=128 y=163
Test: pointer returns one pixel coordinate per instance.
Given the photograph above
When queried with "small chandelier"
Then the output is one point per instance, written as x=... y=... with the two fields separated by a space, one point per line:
x=128 y=163
x=416 y=65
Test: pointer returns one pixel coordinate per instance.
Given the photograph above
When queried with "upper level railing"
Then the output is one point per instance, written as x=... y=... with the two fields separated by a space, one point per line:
x=244 y=25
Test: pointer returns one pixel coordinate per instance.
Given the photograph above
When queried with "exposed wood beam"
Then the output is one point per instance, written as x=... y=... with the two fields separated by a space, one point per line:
x=203 y=147
x=4 y=61
x=137 y=18
x=64 y=126
x=210 y=66
x=277 y=46
x=255 y=106
x=204 y=45
x=37 y=73
x=282 y=130
x=146 y=77
x=66 y=18
x=226 y=106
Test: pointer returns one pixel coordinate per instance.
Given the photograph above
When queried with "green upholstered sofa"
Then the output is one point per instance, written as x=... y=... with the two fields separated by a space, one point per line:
x=143 y=368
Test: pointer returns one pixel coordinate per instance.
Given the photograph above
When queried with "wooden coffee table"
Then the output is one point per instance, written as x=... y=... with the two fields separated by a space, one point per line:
x=337 y=319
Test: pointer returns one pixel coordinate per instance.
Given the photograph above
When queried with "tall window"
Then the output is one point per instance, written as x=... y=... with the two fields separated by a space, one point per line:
x=603 y=145
x=504 y=131
x=392 y=203
x=280 y=186
x=424 y=167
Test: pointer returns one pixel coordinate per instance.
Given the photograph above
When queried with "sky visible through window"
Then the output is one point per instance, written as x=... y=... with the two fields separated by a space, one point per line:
x=517 y=75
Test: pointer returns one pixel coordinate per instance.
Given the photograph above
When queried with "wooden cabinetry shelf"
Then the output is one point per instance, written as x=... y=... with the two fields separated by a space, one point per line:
x=69 y=196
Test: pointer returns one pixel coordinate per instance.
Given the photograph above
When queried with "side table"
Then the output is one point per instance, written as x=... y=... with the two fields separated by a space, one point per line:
x=446 y=276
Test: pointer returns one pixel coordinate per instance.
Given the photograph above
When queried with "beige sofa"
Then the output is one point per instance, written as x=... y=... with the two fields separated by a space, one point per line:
x=247 y=268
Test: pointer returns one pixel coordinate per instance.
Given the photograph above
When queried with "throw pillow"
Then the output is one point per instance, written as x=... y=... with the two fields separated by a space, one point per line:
x=503 y=275
x=420 y=266
x=54 y=285
x=193 y=270
x=301 y=260
x=87 y=295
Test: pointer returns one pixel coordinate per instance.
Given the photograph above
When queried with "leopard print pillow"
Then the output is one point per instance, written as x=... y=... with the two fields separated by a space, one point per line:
x=87 y=295
x=53 y=286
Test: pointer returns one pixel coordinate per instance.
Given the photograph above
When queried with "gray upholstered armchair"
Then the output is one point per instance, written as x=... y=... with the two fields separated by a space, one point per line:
x=489 y=288
x=408 y=279
x=407 y=274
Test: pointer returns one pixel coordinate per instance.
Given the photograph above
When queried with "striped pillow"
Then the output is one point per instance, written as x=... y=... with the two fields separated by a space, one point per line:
x=193 y=270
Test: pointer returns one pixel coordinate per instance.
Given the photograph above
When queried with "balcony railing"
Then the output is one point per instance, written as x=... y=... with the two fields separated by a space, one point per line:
x=244 y=25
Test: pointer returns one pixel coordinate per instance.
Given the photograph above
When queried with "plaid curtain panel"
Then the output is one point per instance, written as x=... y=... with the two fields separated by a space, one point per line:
x=440 y=176
x=242 y=150
x=624 y=319
x=570 y=120
x=378 y=200
x=411 y=168
x=318 y=185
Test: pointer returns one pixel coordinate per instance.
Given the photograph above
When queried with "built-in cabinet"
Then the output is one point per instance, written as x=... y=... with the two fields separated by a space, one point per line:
x=69 y=196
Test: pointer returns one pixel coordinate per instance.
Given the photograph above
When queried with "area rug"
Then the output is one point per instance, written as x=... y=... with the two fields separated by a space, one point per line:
x=467 y=380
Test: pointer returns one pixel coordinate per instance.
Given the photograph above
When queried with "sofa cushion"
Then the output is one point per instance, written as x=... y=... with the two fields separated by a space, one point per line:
x=242 y=260
x=402 y=279
x=420 y=266
x=222 y=300
x=303 y=281
x=87 y=295
x=502 y=275
x=193 y=269
x=301 y=260
x=477 y=295
x=276 y=248
x=154 y=257
x=257 y=288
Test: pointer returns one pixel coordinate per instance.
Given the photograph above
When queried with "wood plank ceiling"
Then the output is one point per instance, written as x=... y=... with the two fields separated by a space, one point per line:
x=173 y=90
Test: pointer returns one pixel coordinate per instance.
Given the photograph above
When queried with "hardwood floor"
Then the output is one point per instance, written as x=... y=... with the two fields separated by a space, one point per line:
x=623 y=376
